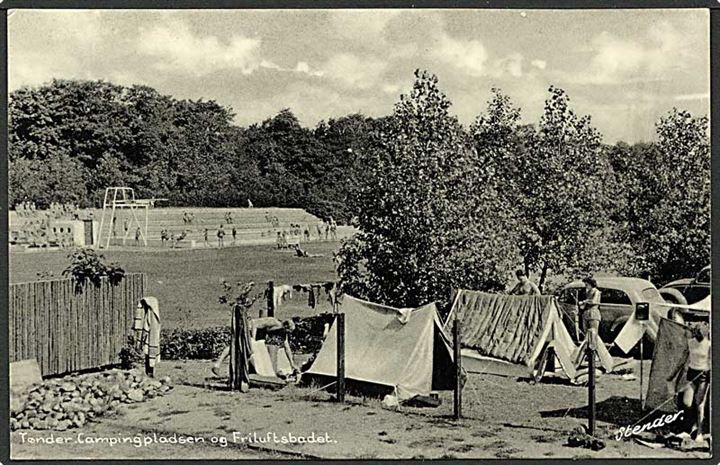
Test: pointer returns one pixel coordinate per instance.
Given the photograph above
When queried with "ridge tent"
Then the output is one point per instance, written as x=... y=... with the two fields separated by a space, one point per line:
x=401 y=350
x=520 y=330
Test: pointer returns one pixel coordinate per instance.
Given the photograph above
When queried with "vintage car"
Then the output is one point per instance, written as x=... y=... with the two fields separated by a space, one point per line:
x=618 y=296
x=688 y=290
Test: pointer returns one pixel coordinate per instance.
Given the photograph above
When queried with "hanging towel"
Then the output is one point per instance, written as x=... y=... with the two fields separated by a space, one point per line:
x=151 y=330
x=280 y=293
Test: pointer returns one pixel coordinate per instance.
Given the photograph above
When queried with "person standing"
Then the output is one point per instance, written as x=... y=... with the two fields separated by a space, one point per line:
x=524 y=286
x=234 y=234
x=693 y=394
x=205 y=237
x=591 y=305
x=221 y=237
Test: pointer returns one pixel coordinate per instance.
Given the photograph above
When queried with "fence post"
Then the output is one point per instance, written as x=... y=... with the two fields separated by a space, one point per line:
x=234 y=378
x=340 y=357
x=591 y=380
x=457 y=398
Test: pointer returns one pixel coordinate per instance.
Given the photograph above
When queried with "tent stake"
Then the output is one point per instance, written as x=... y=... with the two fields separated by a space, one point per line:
x=457 y=404
x=341 y=357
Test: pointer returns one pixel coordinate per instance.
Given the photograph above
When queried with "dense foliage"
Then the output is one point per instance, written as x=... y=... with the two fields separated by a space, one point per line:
x=439 y=205
x=87 y=266
x=208 y=343
x=427 y=213
x=69 y=140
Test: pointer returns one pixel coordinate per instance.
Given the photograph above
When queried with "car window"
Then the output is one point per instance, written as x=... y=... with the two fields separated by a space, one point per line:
x=614 y=296
x=651 y=295
x=568 y=296
x=694 y=294
x=703 y=277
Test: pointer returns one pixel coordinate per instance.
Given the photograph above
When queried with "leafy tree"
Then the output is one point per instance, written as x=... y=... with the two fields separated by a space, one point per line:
x=555 y=179
x=668 y=197
x=57 y=178
x=428 y=220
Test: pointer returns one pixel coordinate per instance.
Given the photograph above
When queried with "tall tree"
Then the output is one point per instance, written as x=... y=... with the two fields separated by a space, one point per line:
x=669 y=198
x=554 y=179
x=427 y=217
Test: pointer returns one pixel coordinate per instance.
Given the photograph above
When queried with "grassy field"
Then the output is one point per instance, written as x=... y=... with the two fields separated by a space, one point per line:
x=187 y=282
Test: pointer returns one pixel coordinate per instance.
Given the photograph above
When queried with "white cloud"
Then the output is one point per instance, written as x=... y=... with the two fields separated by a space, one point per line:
x=511 y=64
x=472 y=57
x=539 y=64
x=648 y=58
x=178 y=49
x=303 y=67
x=354 y=71
x=468 y=55
x=32 y=62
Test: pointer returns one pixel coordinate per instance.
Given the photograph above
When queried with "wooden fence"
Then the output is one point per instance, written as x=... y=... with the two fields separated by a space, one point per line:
x=68 y=331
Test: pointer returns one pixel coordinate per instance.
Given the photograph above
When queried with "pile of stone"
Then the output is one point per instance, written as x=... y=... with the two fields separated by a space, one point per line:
x=70 y=402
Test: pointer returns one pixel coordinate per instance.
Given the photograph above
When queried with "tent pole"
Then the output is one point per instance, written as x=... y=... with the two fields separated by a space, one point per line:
x=341 y=357
x=457 y=398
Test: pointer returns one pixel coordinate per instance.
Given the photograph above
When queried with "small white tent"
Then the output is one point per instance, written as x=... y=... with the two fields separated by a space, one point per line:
x=401 y=349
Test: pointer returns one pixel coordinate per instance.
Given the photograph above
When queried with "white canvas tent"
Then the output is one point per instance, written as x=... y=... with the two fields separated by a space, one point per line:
x=404 y=350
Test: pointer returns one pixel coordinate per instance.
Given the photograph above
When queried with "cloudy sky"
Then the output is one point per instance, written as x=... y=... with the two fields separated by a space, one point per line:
x=624 y=67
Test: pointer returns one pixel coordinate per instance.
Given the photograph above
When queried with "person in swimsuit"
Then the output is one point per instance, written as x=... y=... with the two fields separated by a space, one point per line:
x=275 y=334
x=694 y=394
x=524 y=285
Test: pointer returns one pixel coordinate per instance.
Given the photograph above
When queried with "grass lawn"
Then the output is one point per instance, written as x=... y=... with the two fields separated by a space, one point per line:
x=187 y=282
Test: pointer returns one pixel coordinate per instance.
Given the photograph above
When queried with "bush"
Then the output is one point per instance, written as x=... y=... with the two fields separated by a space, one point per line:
x=208 y=343
x=200 y=344
x=87 y=265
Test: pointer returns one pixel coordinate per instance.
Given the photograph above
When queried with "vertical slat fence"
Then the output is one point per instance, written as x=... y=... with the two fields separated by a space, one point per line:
x=68 y=331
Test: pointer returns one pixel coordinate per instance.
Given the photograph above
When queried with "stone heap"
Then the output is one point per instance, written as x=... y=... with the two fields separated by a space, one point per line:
x=70 y=402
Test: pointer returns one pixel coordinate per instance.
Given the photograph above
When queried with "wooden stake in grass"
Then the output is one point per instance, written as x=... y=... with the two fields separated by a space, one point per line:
x=340 y=357
x=457 y=404
x=270 y=295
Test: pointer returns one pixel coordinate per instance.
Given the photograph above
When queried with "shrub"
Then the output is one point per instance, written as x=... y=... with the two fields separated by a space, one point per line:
x=201 y=344
x=207 y=343
x=87 y=266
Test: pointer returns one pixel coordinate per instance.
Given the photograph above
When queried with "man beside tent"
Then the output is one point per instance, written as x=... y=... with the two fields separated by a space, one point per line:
x=524 y=285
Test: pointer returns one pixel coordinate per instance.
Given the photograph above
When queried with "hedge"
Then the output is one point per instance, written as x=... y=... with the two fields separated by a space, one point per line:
x=208 y=343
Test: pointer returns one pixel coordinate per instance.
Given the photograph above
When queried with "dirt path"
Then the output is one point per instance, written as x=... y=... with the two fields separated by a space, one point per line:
x=505 y=418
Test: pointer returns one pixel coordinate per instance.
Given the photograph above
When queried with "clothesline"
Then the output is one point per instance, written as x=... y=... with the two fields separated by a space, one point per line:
x=283 y=292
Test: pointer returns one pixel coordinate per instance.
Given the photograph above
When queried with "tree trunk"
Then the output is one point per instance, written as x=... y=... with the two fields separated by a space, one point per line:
x=543 y=275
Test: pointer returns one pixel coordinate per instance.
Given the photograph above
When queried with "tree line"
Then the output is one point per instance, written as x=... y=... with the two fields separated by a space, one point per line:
x=440 y=205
